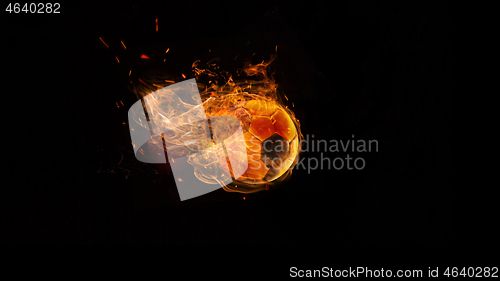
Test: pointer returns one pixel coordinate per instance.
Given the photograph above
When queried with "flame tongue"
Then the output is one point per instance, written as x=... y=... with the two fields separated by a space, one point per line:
x=251 y=106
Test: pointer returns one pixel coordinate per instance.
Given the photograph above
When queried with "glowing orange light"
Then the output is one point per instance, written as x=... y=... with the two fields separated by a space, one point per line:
x=102 y=40
x=143 y=56
x=156 y=25
x=123 y=44
x=167 y=50
x=117 y=59
x=244 y=198
x=263 y=118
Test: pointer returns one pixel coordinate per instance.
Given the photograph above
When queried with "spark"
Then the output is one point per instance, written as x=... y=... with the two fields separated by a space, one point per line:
x=143 y=56
x=123 y=44
x=130 y=72
x=117 y=105
x=168 y=49
x=276 y=50
x=169 y=81
x=121 y=102
x=142 y=82
x=244 y=198
x=183 y=76
x=156 y=25
x=102 y=40
x=286 y=97
x=117 y=59
x=293 y=105
x=180 y=179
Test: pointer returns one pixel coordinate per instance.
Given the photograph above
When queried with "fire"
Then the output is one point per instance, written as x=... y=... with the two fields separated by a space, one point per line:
x=254 y=102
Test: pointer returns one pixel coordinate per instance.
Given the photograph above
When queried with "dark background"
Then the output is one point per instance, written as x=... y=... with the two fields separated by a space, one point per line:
x=376 y=69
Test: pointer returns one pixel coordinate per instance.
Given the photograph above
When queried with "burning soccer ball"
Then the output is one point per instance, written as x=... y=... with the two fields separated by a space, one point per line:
x=271 y=138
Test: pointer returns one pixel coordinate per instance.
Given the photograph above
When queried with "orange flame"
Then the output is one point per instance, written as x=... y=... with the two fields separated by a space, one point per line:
x=255 y=101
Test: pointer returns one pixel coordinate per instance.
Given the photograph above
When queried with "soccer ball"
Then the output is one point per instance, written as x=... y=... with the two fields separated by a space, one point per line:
x=271 y=139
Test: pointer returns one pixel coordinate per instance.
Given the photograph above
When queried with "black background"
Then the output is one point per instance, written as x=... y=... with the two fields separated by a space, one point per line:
x=377 y=69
